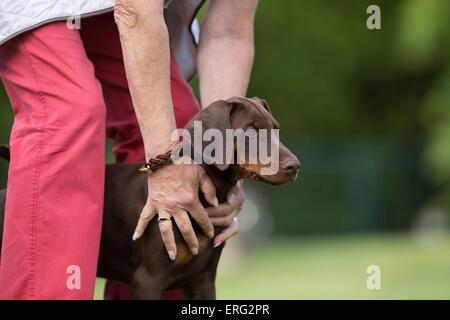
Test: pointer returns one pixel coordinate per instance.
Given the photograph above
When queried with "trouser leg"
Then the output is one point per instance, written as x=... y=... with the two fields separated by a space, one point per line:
x=56 y=177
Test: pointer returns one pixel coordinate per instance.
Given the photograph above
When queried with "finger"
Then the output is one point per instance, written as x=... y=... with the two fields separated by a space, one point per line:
x=224 y=209
x=184 y=225
x=224 y=221
x=208 y=188
x=227 y=233
x=236 y=197
x=165 y=228
x=232 y=194
x=147 y=214
x=200 y=215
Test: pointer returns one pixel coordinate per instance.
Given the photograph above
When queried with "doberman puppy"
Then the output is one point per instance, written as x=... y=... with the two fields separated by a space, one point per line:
x=144 y=264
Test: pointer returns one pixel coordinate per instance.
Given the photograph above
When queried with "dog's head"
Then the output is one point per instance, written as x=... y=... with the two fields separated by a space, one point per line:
x=247 y=127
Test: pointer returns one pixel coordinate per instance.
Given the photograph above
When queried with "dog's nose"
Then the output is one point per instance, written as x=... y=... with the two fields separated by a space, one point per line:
x=291 y=165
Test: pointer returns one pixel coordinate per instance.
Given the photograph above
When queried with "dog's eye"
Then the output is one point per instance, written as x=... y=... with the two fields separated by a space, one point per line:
x=257 y=125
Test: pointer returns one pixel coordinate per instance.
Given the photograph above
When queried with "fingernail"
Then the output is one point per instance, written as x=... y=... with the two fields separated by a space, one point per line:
x=231 y=198
x=135 y=236
x=211 y=234
x=194 y=251
x=216 y=202
x=217 y=244
x=171 y=255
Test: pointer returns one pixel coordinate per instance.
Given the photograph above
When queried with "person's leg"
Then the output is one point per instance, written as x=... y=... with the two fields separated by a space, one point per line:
x=56 y=177
x=102 y=44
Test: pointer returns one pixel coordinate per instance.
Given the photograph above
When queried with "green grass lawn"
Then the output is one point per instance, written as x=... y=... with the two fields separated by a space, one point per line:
x=335 y=268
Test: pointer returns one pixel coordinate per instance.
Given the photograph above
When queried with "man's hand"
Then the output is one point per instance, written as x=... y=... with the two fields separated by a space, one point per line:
x=225 y=215
x=173 y=193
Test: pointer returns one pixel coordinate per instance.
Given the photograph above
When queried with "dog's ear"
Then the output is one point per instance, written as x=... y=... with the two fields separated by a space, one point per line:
x=216 y=116
x=263 y=103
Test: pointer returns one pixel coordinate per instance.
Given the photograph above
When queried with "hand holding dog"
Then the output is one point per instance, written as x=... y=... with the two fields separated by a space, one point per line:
x=225 y=214
x=172 y=193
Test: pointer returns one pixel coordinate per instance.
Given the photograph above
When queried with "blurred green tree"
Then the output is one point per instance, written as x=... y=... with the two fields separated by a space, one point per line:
x=367 y=110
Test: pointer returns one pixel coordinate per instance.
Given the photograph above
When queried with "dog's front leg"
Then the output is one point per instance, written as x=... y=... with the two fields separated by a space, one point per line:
x=146 y=287
x=203 y=288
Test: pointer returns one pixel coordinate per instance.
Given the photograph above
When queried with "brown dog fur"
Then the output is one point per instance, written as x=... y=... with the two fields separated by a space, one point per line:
x=144 y=264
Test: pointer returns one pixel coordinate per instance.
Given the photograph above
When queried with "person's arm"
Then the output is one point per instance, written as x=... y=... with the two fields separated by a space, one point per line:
x=224 y=62
x=145 y=43
x=226 y=49
x=173 y=190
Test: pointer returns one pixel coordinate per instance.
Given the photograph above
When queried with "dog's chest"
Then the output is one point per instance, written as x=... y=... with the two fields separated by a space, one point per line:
x=184 y=255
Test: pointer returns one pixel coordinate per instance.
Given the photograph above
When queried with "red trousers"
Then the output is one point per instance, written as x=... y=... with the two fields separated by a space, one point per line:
x=65 y=87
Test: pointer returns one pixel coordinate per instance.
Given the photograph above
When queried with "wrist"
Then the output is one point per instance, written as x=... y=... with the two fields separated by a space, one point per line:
x=153 y=165
x=158 y=136
x=156 y=149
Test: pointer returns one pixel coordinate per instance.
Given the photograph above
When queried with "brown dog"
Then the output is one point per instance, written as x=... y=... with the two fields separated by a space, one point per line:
x=144 y=263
